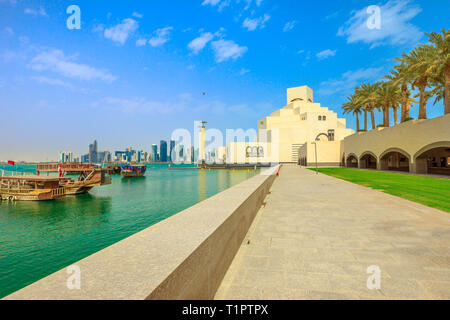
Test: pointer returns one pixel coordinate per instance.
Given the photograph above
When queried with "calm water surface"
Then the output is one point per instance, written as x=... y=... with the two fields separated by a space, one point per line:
x=39 y=238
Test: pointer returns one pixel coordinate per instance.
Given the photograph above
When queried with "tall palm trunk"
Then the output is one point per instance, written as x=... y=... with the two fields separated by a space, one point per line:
x=447 y=90
x=357 y=122
x=372 y=118
x=387 y=116
x=408 y=106
x=422 y=103
x=365 y=119
x=395 y=115
x=405 y=106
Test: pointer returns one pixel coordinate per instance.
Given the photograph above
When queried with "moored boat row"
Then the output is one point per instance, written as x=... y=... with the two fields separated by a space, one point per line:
x=38 y=188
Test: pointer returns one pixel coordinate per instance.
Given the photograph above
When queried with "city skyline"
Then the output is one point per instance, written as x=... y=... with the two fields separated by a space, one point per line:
x=214 y=65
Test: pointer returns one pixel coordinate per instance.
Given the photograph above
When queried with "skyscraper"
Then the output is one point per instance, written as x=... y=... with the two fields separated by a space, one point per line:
x=93 y=156
x=163 y=151
x=154 y=153
x=171 y=155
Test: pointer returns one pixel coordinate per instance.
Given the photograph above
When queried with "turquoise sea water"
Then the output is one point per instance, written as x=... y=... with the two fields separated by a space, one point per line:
x=39 y=238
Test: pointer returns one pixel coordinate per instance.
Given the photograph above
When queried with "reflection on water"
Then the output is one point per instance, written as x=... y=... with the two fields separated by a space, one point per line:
x=202 y=185
x=39 y=238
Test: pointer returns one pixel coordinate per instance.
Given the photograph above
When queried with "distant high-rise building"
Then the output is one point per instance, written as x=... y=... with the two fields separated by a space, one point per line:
x=104 y=156
x=172 y=148
x=163 y=151
x=188 y=154
x=154 y=153
x=129 y=155
x=93 y=156
x=65 y=157
x=85 y=158
x=141 y=156
x=181 y=153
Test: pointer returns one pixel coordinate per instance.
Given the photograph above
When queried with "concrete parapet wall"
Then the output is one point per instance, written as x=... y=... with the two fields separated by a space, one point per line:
x=183 y=257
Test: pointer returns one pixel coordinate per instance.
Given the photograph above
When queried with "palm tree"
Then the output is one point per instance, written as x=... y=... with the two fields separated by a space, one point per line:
x=353 y=106
x=439 y=89
x=440 y=49
x=358 y=98
x=400 y=76
x=383 y=102
x=367 y=95
x=388 y=97
x=420 y=64
x=394 y=107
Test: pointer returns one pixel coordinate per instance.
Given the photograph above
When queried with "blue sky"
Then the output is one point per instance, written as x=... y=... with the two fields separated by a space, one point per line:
x=137 y=70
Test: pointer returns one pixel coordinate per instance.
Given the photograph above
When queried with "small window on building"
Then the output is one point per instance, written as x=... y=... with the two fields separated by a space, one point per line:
x=320 y=118
x=331 y=135
x=324 y=118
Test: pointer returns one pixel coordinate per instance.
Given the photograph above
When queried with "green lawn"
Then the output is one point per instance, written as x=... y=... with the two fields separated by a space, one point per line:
x=430 y=191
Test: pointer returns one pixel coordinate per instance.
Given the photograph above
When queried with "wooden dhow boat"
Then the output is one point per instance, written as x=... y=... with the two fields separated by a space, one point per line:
x=133 y=170
x=89 y=176
x=30 y=188
x=87 y=180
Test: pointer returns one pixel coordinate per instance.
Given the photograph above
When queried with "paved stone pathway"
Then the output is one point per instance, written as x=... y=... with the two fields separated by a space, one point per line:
x=317 y=235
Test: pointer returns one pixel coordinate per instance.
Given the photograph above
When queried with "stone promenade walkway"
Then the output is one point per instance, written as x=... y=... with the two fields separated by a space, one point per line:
x=317 y=236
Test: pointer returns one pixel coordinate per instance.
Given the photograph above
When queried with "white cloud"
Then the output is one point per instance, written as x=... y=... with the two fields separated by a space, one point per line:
x=54 y=60
x=200 y=42
x=8 y=55
x=98 y=28
x=34 y=12
x=210 y=2
x=141 y=105
x=244 y=71
x=326 y=54
x=253 y=24
x=9 y=31
x=120 y=32
x=141 y=42
x=161 y=37
x=395 y=28
x=51 y=81
x=227 y=49
x=137 y=15
x=219 y=3
x=349 y=80
x=289 y=26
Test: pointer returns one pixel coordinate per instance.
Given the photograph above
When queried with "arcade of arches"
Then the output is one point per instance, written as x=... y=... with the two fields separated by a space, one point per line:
x=417 y=146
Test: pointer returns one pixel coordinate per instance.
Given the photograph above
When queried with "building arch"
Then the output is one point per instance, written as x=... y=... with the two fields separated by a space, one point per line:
x=395 y=159
x=368 y=160
x=440 y=144
x=382 y=155
x=433 y=158
x=352 y=161
x=323 y=134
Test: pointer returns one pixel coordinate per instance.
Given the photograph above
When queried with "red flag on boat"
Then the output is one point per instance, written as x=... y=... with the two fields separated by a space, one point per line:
x=61 y=173
x=11 y=162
